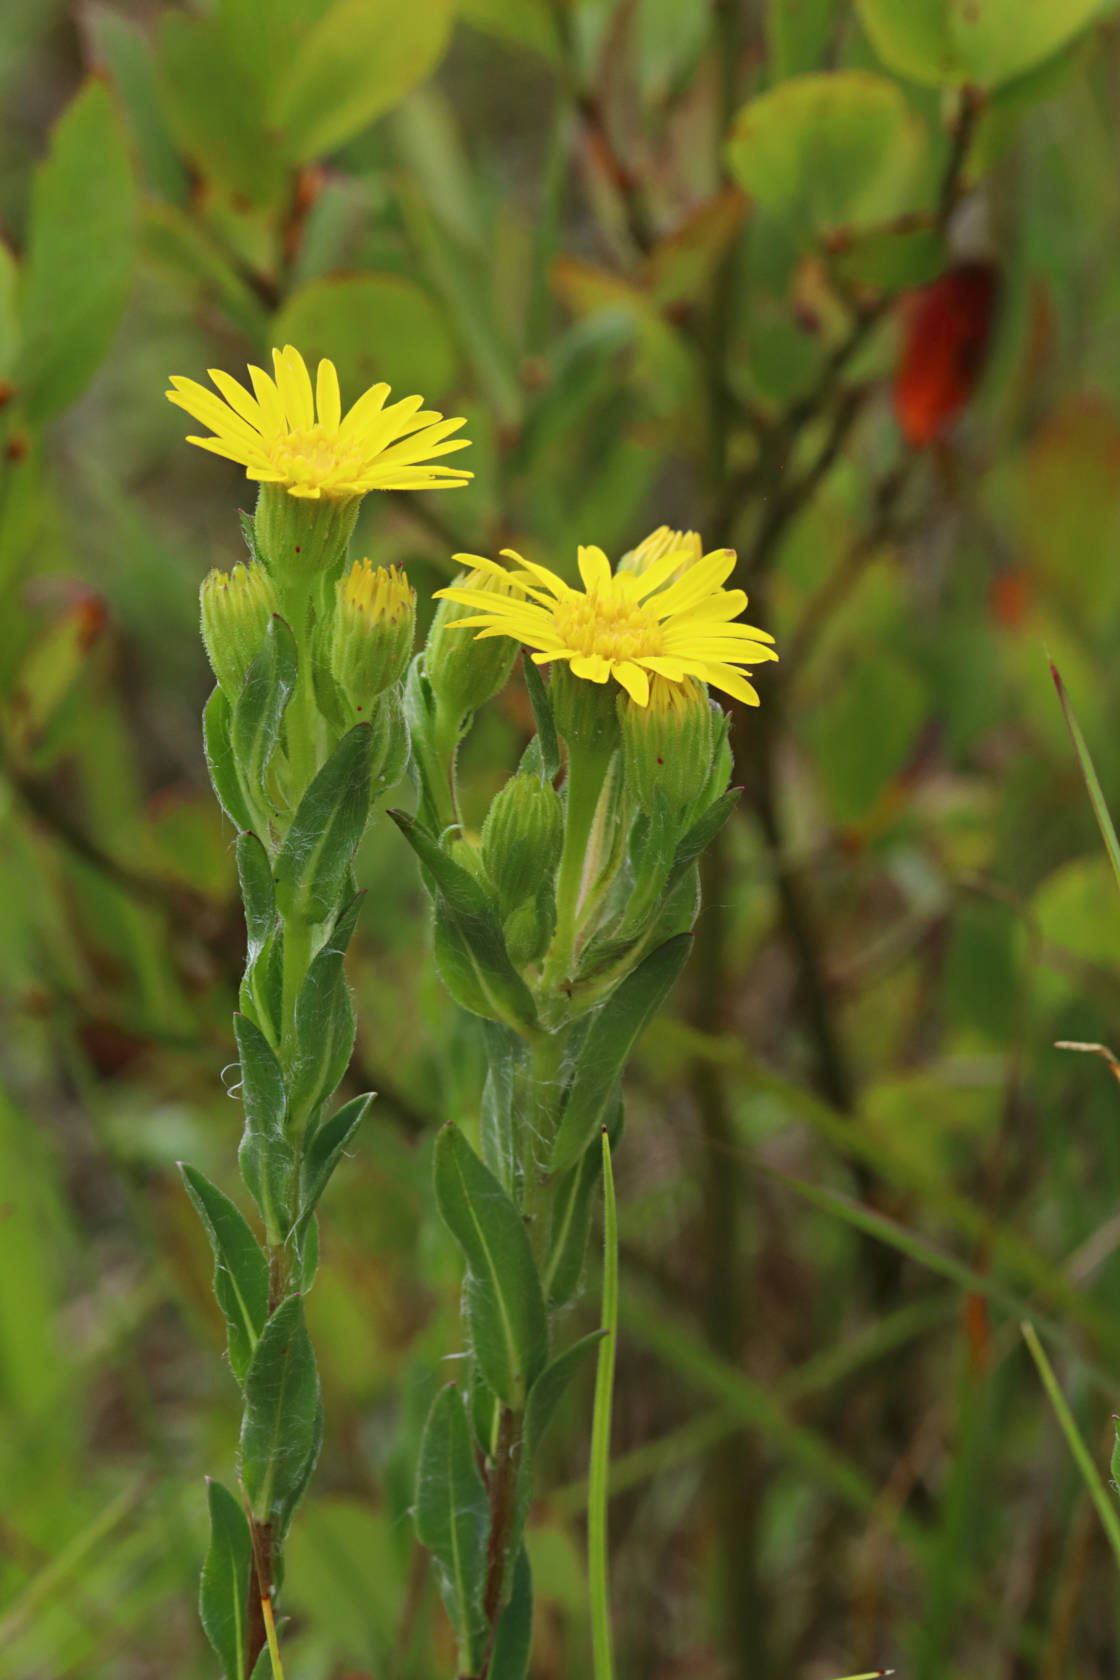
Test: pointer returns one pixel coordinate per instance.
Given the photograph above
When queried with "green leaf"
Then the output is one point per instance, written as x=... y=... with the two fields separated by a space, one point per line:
x=314 y=860
x=986 y=42
x=571 y=1217
x=799 y=35
x=527 y=23
x=260 y=706
x=373 y=327
x=224 y=1596
x=514 y=1638
x=240 y=1268
x=81 y=248
x=1089 y=776
x=258 y=895
x=828 y=151
x=701 y=835
x=267 y=1163
x=542 y=716
x=611 y=1037
x=324 y=1036
x=280 y=1429
x=216 y=723
x=503 y=1049
x=359 y=60
x=505 y=1308
x=213 y=107
x=470 y=951
x=324 y=1153
x=453 y=1520
x=122 y=48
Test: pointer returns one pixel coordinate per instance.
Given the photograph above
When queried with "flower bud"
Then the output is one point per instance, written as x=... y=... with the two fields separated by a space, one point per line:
x=585 y=712
x=659 y=543
x=521 y=839
x=300 y=535
x=371 y=632
x=670 y=746
x=236 y=608
x=466 y=671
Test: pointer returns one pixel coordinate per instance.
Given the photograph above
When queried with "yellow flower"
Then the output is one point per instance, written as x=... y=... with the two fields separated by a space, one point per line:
x=669 y=620
x=291 y=436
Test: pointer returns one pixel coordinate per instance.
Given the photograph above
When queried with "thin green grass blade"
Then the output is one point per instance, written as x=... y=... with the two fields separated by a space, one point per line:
x=599 y=1492
x=1098 y=1493
x=1096 y=793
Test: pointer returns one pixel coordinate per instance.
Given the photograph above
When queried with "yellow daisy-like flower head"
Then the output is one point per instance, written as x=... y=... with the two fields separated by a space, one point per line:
x=671 y=620
x=288 y=434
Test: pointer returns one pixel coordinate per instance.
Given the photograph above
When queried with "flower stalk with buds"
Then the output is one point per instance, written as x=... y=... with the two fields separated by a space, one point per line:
x=304 y=730
x=564 y=930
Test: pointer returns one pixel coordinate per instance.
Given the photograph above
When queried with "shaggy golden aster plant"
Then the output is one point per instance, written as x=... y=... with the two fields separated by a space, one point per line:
x=303 y=732
x=561 y=925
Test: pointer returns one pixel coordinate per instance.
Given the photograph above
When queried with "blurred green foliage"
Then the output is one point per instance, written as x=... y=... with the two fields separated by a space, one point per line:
x=659 y=252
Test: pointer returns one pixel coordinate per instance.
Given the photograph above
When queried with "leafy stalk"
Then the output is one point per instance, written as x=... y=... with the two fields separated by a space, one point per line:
x=599 y=1488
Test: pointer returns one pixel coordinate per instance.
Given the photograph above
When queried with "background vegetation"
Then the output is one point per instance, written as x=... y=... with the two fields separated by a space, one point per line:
x=854 y=1159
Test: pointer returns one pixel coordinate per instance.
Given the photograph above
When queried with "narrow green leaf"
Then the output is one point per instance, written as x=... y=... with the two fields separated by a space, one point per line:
x=470 y=950
x=505 y=1307
x=240 y=1268
x=613 y=1033
x=224 y=1594
x=513 y=1640
x=571 y=1216
x=1083 y=1458
x=313 y=861
x=542 y=715
x=360 y=59
x=324 y=1023
x=265 y=1153
x=280 y=1429
x=503 y=1050
x=260 y=706
x=323 y=1155
x=700 y=836
x=598 y=1494
x=216 y=723
x=80 y=253
x=258 y=894
x=1089 y=774
x=453 y=1520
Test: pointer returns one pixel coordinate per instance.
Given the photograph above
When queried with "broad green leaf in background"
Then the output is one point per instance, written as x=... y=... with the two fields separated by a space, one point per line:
x=263 y=36
x=526 y=23
x=80 y=250
x=240 y=1268
x=509 y=1328
x=214 y=109
x=373 y=327
x=9 y=311
x=985 y=42
x=224 y=1596
x=453 y=1520
x=799 y=34
x=358 y=61
x=123 y=50
x=280 y=1430
x=828 y=152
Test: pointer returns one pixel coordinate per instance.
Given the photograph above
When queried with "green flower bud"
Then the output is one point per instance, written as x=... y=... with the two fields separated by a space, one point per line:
x=584 y=712
x=371 y=631
x=299 y=535
x=670 y=745
x=466 y=671
x=522 y=838
x=528 y=930
x=236 y=608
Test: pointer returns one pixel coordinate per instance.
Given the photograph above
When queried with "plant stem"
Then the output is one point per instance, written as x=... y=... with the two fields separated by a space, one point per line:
x=586 y=772
x=599 y=1485
x=502 y=1491
x=1106 y=1510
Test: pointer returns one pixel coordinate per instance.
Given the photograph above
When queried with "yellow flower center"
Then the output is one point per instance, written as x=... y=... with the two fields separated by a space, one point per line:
x=610 y=623
x=315 y=456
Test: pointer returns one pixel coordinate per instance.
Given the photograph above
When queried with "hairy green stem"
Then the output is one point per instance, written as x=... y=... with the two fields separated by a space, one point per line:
x=599 y=1488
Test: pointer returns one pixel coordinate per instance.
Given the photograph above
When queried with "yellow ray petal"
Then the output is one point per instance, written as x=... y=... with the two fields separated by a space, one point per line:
x=328 y=398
